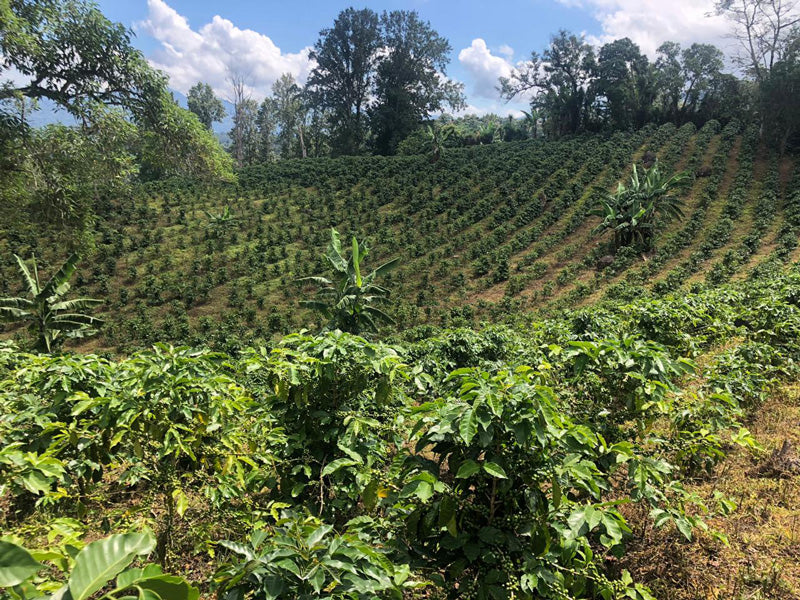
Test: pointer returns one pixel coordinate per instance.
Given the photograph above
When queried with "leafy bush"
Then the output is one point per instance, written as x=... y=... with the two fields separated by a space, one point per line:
x=503 y=490
x=101 y=566
x=302 y=557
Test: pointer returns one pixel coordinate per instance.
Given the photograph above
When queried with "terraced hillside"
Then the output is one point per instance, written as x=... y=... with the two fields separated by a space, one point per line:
x=484 y=233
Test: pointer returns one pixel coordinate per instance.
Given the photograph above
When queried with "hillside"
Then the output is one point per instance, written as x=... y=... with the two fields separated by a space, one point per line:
x=628 y=432
x=484 y=233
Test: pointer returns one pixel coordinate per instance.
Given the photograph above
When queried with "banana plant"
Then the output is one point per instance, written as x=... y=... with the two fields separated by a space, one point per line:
x=101 y=566
x=632 y=211
x=348 y=300
x=437 y=136
x=50 y=317
x=222 y=219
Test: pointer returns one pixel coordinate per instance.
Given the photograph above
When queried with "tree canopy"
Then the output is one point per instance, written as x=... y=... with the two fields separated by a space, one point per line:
x=573 y=88
x=346 y=56
x=68 y=52
x=410 y=83
x=380 y=78
x=202 y=102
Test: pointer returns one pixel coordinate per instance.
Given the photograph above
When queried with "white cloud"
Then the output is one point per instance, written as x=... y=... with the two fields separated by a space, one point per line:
x=506 y=51
x=484 y=67
x=650 y=22
x=214 y=51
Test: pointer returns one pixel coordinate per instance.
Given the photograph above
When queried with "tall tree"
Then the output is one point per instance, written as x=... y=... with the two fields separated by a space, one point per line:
x=244 y=133
x=66 y=51
x=410 y=82
x=202 y=102
x=726 y=98
x=346 y=56
x=702 y=65
x=625 y=83
x=559 y=80
x=267 y=127
x=764 y=31
x=69 y=170
x=317 y=132
x=779 y=94
x=687 y=79
x=291 y=113
x=178 y=144
x=669 y=80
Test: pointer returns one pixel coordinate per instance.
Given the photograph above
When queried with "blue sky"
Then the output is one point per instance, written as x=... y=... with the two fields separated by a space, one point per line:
x=206 y=39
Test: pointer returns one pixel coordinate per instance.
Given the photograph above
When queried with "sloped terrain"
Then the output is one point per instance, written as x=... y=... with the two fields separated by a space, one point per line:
x=629 y=432
x=484 y=233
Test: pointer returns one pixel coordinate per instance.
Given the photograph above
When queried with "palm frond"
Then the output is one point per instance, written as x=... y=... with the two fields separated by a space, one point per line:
x=386 y=267
x=372 y=311
x=10 y=314
x=60 y=279
x=15 y=303
x=76 y=304
x=315 y=305
x=357 y=262
x=315 y=279
x=77 y=318
x=31 y=281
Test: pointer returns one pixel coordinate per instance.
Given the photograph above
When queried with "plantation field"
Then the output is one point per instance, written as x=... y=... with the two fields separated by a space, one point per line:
x=485 y=233
x=379 y=347
x=637 y=446
x=626 y=429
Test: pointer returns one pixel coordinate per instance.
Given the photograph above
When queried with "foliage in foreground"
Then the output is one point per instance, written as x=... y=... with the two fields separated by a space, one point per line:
x=491 y=464
x=100 y=566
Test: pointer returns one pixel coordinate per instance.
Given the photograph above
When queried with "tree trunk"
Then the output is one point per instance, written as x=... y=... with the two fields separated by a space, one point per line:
x=302 y=141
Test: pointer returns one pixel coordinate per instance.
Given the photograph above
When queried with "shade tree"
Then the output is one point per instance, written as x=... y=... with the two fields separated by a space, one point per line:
x=204 y=103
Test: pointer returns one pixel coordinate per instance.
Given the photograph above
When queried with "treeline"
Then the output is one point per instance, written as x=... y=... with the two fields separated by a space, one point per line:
x=575 y=88
x=379 y=87
x=376 y=79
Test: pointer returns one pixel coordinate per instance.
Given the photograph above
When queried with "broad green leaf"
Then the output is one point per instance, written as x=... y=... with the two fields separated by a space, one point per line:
x=419 y=488
x=181 y=501
x=169 y=587
x=685 y=527
x=495 y=470
x=468 y=468
x=36 y=482
x=357 y=263
x=556 y=493
x=468 y=426
x=369 y=494
x=660 y=516
x=339 y=463
x=101 y=561
x=447 y=510
x=130 y=576
x=316 y=536
x=16 y=565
